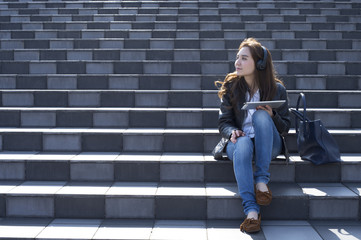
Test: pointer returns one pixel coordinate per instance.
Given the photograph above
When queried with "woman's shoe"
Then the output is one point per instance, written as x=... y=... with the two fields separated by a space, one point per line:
x=251 y=225
x=263 y=198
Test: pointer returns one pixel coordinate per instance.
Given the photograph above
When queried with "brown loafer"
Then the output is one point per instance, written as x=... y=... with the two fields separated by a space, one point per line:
x=251 y=225
x=263 y=198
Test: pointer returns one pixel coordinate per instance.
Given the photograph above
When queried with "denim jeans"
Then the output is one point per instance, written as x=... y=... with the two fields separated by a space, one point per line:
x=266 y=145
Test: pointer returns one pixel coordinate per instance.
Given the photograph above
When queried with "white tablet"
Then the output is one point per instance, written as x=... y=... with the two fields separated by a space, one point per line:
x=272 y=104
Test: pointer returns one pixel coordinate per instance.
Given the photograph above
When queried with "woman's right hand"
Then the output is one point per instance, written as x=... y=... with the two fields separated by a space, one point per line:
x=236 y=134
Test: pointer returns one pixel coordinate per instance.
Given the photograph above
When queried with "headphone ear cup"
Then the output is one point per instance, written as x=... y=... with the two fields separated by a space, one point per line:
x=261 y=64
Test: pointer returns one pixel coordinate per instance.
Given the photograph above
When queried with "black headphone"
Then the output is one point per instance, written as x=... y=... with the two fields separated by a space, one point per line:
x=261 y=64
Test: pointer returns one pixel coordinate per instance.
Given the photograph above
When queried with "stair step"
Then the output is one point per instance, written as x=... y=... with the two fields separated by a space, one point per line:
x=273 y=39
x=340 y=55
x=263 y=8
x=170 y=229
x=196 y=23
x=284 y=19
x=170 y=67
x=182 y=4
x=161 y=167
x=314 y=101
x=168 y=14
x=149 y=117
x=142 y=140
x=187 y=41
x=160 y=98
x=164 y=81
x=182 y=201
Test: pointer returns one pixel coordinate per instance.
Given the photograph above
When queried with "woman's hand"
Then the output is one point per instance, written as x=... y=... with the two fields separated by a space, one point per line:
x=236 y=134
x=267 y=108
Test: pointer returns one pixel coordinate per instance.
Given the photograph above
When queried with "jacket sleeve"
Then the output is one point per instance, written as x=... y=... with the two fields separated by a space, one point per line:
x=226 y=119
x=281 y=116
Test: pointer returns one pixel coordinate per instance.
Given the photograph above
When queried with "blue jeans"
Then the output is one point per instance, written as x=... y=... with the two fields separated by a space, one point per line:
x=266 y=145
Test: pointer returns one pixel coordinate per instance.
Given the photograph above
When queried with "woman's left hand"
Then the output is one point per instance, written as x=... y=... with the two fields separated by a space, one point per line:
x=267 y=108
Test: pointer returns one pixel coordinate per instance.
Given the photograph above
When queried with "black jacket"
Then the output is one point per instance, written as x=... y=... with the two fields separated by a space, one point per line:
x=230 y=120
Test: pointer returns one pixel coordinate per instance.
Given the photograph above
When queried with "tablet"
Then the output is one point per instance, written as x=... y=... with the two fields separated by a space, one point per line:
x=272 y=104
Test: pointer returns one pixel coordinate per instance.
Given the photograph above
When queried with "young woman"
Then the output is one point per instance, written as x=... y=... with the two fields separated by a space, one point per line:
x=255 y=133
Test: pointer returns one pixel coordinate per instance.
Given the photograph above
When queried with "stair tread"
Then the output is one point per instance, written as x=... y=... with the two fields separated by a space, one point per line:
x=165 y=109
x=165 y=157
x=180 y=61
x=213 y=91
x=183 y=39
x=161 y=229
x=269 y=43
x=195 y=50
x=155 y=189
x=145 y=130
x=196 y=21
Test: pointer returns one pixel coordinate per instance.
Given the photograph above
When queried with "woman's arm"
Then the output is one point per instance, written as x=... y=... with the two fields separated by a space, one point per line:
x=226 y=119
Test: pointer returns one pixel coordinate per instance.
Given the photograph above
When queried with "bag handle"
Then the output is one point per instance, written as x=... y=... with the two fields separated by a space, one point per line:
x=302 y=96
x=298 y=114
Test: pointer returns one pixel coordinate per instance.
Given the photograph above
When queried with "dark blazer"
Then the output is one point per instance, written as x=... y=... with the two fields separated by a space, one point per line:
x=230 y=120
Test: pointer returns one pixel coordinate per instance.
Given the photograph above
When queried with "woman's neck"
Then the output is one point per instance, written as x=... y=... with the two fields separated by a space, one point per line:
x=251 y=83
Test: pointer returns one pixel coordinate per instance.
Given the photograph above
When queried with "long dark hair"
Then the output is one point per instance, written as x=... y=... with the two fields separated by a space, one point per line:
x=265 y=79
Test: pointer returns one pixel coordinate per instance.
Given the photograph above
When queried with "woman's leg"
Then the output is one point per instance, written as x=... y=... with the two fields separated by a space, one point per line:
x=241 y=153
x=268 y=144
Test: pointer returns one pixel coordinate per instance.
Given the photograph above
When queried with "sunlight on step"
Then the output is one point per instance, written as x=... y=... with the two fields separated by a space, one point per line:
x=314 y=192
x=343 y=234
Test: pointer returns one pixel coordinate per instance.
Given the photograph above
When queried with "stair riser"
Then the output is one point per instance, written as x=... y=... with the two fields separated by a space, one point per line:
x=131 y=14
x=345 y=41
x=186 y=8
x=180 y=208
x=174 y=67
x=174 y=55
x=216 y=22
x=154 y=7
x=163 y=82
x=134 y=142
x=153 y=171
x=145 y=119
x=68 y=24
x=160 y=99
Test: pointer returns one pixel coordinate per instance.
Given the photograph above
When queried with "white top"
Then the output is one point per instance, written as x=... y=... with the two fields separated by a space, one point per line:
x=247 y=123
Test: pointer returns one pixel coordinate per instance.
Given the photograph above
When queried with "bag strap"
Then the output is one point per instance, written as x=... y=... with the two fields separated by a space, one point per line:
x=297 y=114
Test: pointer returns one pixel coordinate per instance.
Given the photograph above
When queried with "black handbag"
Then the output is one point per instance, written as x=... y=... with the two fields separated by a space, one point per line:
x=314 y=142
x=218 y=151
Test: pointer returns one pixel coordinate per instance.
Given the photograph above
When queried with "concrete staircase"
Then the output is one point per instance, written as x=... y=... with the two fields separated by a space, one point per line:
x=109 y=114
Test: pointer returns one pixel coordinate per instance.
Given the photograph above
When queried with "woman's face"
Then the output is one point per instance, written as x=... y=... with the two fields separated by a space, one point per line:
x=244 y=63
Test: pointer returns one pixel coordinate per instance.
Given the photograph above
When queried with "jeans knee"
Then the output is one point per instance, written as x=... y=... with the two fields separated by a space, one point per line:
x=244 y=148
x=261 y=117
x=243 y=142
